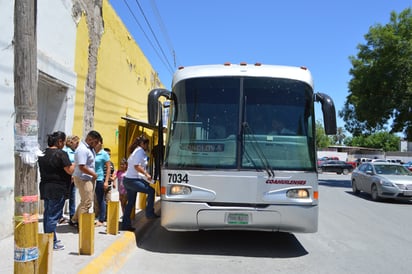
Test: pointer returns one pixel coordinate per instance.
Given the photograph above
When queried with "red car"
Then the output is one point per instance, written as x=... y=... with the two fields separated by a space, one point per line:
x=354 y=164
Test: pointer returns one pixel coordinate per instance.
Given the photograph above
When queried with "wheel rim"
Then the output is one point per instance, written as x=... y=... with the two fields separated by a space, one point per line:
x=354 y=188
x=345 y=171
x=375 y=193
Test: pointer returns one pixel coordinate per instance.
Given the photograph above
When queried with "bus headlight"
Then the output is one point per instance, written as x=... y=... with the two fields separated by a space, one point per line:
x=180 y=190
x=297 y=193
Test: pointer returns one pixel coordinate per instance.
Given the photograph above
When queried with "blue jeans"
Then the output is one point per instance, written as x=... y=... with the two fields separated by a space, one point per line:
x=72 y=200
x=133 y=186
x=101 y=201
x=51 y=215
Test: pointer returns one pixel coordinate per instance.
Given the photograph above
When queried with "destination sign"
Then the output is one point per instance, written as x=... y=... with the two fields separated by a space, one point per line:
x=203 y=147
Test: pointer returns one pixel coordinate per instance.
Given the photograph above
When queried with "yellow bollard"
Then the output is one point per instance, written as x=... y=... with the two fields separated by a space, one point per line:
x=157 y=187
x=45 y=261
x=86 y=234
x=113 y=217
x=133 y=213
x=142 y=200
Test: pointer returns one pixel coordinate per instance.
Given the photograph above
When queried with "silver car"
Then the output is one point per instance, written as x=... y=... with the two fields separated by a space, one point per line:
x=383 y=180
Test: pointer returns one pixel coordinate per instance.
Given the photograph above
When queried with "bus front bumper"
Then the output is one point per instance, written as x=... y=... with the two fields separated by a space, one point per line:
x=194 y=216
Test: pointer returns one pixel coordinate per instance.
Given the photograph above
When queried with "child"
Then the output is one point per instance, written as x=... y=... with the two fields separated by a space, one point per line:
x=122 y=190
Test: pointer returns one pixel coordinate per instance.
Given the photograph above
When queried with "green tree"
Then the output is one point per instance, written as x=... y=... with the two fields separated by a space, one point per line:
x=322 y=140
x=339 y=137
x=380 y=91
x=382 y=140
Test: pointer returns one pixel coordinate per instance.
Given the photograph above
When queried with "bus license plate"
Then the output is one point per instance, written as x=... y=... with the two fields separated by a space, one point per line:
x=238 y=218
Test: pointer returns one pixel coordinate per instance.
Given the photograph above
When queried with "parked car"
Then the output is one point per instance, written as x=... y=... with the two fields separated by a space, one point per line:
x=353 y=163
x=335 y=166
x=408 y=165
x=383 y=180
x=364 y=160
x=397 y=161
x=380 y=160
x=326 y=158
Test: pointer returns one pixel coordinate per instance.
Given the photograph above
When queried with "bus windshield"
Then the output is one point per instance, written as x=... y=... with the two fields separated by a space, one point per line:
x=242 y=123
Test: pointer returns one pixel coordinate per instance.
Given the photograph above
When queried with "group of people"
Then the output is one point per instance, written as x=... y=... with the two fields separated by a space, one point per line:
x=70 y=164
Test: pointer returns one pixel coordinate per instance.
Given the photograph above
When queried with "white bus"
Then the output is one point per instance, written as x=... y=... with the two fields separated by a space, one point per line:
x=225 y=166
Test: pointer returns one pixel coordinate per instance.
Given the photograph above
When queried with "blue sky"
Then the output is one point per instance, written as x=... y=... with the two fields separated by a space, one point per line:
x=318 y=34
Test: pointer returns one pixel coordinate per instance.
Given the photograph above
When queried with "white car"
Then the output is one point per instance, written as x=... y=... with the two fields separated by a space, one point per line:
x=383 y=180
x=380 y=160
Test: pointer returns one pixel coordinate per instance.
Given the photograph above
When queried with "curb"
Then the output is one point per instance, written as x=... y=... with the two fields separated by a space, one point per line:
x=116 y=255
x=113 y=258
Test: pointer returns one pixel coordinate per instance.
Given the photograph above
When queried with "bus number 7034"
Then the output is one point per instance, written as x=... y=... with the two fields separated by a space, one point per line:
x=246 y=136
x=178 y=178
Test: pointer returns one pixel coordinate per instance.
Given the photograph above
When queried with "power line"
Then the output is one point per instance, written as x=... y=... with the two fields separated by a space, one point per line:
x=148 y=39
x=164 y=31
x=154 y=35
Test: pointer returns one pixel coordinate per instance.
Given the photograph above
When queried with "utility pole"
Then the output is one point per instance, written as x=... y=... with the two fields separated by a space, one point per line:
x=26 y=250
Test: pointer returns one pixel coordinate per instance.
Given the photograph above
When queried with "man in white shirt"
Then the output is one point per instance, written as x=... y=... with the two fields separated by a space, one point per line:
x=84 y=173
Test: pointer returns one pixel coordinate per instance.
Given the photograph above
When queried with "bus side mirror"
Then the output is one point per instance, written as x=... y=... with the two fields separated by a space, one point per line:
x=153 y=104
x=329 y=113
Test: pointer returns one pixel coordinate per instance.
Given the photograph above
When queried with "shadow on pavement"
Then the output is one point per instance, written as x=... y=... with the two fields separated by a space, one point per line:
x=368 y=197
x=336 y=183
x=233 y=243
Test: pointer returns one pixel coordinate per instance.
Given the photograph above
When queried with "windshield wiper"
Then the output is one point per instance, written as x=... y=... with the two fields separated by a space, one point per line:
x=247 y=130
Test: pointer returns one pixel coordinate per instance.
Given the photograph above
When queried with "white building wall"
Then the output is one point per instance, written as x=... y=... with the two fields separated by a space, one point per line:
x=56 y=45
x=56 y=39
x=7 y=118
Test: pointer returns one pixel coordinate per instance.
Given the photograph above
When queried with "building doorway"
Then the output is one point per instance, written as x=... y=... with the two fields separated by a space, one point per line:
x=52 y=107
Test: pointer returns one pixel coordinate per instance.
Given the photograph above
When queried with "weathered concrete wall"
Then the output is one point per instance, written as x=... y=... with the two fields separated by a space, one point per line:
x=123 y=77
x=56 y=31
x=94 y=22
x=105 y=73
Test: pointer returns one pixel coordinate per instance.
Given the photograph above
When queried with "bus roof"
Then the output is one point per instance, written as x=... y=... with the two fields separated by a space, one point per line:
x=252 y=70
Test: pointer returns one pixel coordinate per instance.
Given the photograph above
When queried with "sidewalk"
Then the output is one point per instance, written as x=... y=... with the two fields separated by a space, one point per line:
x=110 y=251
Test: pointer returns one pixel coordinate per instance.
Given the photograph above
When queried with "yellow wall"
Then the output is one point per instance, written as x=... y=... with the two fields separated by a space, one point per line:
x=81 y=65
x=124 y=78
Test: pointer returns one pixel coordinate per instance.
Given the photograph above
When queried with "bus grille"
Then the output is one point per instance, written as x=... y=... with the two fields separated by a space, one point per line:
x=238 y=205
